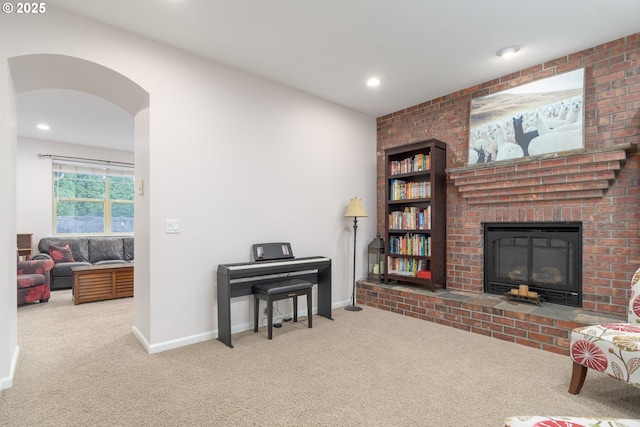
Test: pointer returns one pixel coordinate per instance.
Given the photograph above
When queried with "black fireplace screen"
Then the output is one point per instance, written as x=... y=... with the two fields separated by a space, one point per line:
x=547 y=257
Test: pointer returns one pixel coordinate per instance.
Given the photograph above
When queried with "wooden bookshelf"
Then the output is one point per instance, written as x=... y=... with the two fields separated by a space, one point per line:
x=25 y=245
x=415 y=209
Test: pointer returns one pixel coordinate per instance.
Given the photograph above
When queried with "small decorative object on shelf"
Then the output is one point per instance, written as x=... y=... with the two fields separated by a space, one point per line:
x=524 y=294
x=415 y=208
x=376 y=259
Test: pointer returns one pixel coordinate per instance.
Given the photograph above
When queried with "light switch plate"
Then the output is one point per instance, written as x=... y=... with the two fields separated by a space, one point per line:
x=172 y=226
x=140 y=187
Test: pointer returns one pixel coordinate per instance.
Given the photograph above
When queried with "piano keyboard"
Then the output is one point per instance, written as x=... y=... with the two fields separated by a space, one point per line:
x=274 y=262
x=270 y=276
x=237 y=279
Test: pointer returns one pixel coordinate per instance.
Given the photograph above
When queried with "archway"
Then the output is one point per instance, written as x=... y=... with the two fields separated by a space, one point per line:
x=50 y=71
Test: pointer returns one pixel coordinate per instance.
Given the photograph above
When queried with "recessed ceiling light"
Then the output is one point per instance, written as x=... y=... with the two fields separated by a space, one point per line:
x=43 y=126
x=508 y=51
x=373 y=82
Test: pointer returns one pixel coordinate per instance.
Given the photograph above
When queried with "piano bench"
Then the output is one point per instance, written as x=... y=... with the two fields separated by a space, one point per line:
x=275 y=291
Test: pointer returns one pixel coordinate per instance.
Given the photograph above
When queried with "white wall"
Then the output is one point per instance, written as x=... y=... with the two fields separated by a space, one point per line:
x=237 y=159
x=34 y=181
x=8 y=288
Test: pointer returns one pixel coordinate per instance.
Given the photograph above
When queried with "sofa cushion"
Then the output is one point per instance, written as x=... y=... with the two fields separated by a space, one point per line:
x=80 y=249
x=63 y=269
x=111 y=261
x=31 y=280
x=128 y=248
x=61 y=253
x=105 y=249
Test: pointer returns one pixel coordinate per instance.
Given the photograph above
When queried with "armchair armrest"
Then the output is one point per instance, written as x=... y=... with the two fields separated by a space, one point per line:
x=42 y=255
x=35 y=266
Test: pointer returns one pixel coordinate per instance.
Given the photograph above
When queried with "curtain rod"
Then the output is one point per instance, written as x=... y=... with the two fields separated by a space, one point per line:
x=85 y=160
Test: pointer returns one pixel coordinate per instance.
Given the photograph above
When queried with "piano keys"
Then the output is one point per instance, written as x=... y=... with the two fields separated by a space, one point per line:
x=237 y=279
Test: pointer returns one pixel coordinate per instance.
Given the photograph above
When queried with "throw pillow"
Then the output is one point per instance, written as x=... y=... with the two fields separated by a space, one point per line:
x=61 y=253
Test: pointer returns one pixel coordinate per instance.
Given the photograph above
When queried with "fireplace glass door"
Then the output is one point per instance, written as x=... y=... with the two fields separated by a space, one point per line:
x=544 y=256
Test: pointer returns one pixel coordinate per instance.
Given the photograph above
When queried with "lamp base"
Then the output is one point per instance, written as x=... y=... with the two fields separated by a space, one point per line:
x=353 y=308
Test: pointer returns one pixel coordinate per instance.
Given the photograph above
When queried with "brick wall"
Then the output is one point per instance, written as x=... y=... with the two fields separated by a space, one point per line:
x=610 y=215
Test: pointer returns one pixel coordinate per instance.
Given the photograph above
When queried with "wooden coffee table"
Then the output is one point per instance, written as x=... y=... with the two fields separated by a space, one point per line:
x=102 y=282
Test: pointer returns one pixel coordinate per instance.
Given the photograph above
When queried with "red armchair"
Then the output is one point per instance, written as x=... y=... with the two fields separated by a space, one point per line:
x=34 y=280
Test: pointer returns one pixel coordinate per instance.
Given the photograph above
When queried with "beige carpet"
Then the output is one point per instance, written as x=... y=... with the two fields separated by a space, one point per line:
x=81 y=365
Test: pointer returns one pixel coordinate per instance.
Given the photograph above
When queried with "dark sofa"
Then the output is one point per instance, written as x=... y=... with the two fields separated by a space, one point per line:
x=68 y=252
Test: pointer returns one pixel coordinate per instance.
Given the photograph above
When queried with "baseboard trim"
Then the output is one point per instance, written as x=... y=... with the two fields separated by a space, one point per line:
x=205 y=336
x=136 y=332
x=169 y=345
x=342 y=304
x=7 y=382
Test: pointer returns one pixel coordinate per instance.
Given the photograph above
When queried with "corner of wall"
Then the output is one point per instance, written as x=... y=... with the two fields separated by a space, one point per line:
x=7 y=382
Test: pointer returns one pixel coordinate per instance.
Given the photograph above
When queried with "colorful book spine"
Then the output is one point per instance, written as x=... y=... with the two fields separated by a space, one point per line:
x=403 y=190
x=407 y=267
x=417 y=163
x=398 y=190
x=410 y=244
x=411 y=218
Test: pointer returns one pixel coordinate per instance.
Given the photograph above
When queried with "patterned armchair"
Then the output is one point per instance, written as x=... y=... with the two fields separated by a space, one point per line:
x=612 y=348
x=33 y=280
x=540 y=421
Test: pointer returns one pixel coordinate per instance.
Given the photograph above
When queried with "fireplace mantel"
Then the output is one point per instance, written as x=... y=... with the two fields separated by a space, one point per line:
x=576 y=174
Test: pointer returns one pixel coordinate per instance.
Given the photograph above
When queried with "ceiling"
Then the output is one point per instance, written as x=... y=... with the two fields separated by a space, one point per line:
x=75 y=118
x=419 y=49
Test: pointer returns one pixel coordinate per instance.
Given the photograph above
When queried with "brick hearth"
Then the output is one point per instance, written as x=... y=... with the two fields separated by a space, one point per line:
x=598 y=186
x=547 y=327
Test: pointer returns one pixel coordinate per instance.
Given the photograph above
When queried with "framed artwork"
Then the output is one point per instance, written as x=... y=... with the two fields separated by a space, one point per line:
x=541 y=117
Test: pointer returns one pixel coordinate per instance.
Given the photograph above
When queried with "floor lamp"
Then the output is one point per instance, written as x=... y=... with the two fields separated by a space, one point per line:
x=355 y=209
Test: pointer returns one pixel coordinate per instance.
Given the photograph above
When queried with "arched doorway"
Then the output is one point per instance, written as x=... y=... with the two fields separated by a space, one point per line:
x=50 y=71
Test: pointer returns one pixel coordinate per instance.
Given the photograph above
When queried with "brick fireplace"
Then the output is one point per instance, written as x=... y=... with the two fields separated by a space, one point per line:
x=593 y=186
x=540 y=260
x=598 y=187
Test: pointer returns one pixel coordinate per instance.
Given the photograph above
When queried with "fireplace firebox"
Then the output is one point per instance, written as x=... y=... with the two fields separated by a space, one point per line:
x=545 y=256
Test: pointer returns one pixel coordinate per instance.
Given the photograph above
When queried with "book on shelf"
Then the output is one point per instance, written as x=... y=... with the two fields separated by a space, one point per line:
x=411 y=218
x=408 y=267
x=410 y=244
x=417 y=163
x=403 y=190
x=398 y=190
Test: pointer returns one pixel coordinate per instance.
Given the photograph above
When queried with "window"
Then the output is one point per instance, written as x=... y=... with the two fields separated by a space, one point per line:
x=88 y=202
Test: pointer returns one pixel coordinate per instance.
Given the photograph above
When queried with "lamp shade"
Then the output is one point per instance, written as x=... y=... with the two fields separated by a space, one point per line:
x=355 y=208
